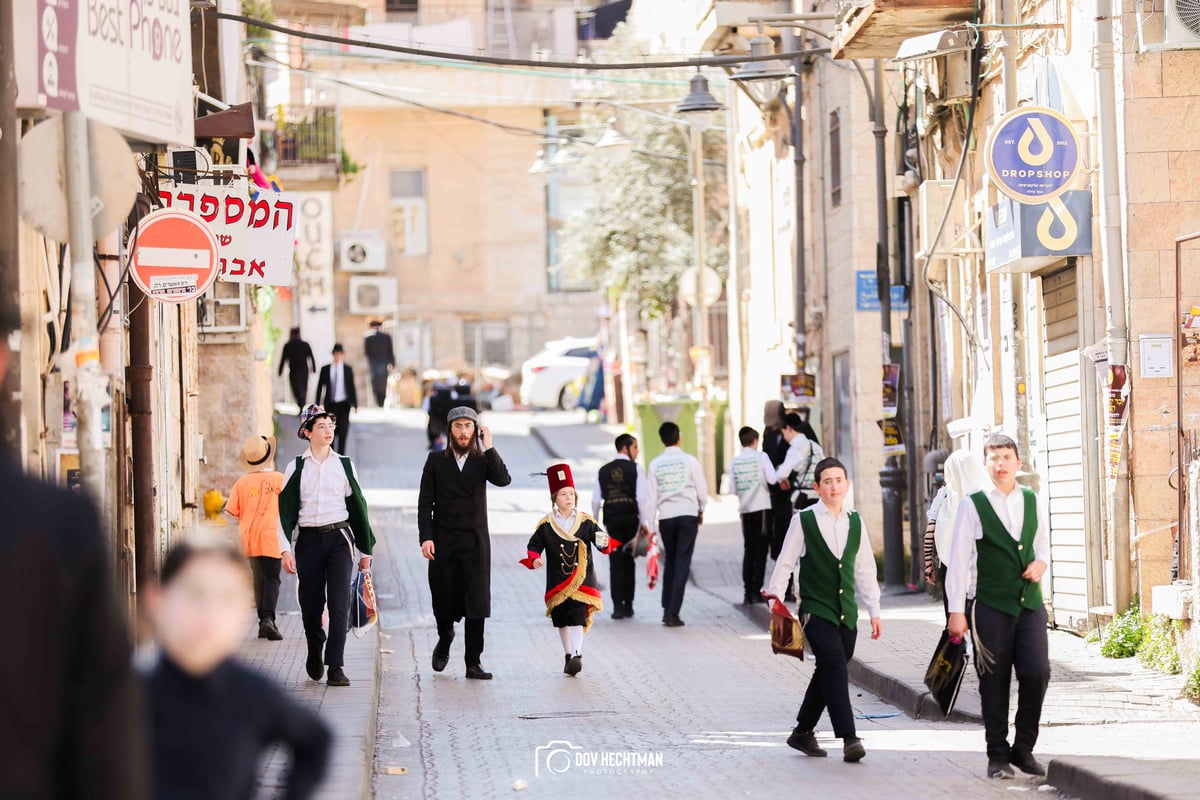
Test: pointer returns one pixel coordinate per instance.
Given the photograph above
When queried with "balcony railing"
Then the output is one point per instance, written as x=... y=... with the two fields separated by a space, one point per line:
x=308 y=136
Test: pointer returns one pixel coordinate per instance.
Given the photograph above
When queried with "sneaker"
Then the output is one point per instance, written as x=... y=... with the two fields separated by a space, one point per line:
x=337 y=677
x=853 y=750
x=806 y=742
x=574 y=665
x=999 y=770
x=1026 y=763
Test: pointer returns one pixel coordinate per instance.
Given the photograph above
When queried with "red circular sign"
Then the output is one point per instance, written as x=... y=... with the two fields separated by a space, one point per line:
x=175 y=256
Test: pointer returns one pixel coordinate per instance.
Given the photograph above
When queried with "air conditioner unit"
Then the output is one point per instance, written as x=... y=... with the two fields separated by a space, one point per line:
x=363 y=251
x=373 y=295
x=932 y=197
x=1181 y=28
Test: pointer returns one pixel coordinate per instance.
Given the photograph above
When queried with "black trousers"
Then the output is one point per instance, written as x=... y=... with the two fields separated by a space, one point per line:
x=379 y=376
x=342 y=432
x=1016 y=643
x=679 y=539
x=756 y=539
x=266 y=585
x=299 y=382
x=781 y=518
x=324 y=562
x=832 y=647
x=474 y=633
x=622 y=563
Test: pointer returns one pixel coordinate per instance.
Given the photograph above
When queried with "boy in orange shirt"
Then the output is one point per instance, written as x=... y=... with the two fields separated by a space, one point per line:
x=254 y=503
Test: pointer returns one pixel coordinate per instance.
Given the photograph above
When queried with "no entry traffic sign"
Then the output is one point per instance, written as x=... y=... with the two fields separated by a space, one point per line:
x=175 y=257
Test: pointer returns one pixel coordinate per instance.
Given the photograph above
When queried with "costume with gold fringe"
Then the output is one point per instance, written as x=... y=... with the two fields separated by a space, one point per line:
x=572 y=592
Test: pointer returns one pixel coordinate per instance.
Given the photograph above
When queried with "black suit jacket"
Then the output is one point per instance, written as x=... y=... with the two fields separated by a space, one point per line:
x=71 y=722
x=324 y=388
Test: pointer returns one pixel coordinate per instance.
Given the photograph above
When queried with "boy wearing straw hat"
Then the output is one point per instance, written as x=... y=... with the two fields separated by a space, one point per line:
x=254 y=503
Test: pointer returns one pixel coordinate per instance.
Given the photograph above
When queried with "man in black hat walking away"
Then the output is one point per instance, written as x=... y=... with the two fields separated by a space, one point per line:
x=298 y=357
x=336 y=388
x=381 y=358
x=453 y=524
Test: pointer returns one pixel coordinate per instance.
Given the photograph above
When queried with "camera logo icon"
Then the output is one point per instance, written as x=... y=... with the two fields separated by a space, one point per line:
x=554 y=758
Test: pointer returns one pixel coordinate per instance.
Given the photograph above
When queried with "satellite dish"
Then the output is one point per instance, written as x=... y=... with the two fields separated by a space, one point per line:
x=42 y=179
x=712 y=286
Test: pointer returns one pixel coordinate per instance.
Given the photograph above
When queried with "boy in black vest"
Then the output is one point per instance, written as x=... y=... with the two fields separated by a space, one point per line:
x=621 y=490
x=1004 y=533
x=837 y=573
x=322 y=499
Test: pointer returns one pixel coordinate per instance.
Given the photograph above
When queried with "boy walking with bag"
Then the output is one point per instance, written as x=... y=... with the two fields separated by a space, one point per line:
x=753 y=473
x=837 y=573
x=322 y=499
x=1002 y=535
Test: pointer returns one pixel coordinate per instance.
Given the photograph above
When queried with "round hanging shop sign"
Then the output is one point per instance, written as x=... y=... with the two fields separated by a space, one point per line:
x=1033 y=154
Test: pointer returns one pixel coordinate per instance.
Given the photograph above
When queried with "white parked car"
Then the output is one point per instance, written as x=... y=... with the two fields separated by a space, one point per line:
x=552 y=378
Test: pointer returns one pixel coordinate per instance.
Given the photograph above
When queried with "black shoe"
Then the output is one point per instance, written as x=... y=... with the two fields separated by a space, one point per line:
x=999 y=769
x=574 y=665
x=619 y=613
x=337 y=677
x=441 y=654
x=853 y=750
x=268 y=630
x=475 y=672
x=806 y=742
x=628 y=610
x=566 y=664
x=673 y=621
x=313 y=665
x=1026 y=763
x=748 y=599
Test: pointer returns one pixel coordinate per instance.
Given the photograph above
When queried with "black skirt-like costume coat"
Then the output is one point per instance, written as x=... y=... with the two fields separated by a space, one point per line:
x=572 y=592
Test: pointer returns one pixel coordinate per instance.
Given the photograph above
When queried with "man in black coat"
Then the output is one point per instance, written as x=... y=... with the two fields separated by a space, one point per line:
x=336 y=393
x=776 y=446
x=381 y=358
x=298 y=357
x=70 y=724
x=453 y=524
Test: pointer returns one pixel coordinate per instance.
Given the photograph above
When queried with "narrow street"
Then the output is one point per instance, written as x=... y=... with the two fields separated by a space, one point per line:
x=709 y=699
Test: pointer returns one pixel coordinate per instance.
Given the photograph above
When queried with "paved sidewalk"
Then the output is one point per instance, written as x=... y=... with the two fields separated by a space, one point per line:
x=349 y=711
x=1131 y=710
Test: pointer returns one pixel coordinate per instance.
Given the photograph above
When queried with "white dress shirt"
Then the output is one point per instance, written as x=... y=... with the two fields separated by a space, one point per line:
x=645 y=502
x=337 y=382
x=968 y=529
x=752 y=472
x=836 y=533
x=324 y=488
x=461 y=460
x=803 y=454
x=677 y=485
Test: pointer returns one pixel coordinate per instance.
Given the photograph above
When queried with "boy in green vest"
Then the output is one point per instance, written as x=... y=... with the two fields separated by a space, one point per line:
x=837 y=573
x=1003 y=532
x=322 y=499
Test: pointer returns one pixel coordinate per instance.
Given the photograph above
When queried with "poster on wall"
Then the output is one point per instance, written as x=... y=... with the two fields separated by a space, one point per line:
x=1118 y=404
x=893 y=439
x=891 y=390
x=70 y=422
x=798 y=388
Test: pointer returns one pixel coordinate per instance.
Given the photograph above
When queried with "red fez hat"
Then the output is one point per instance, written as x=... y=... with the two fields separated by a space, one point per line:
x=560 y=478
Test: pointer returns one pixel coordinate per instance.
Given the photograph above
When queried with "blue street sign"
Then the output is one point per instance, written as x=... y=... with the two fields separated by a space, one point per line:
x=867 y=293
x=1033 y=154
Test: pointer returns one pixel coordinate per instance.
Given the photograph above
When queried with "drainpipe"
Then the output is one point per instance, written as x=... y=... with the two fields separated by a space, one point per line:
x=801 y=276
x=137 y=390
x=1114 y=289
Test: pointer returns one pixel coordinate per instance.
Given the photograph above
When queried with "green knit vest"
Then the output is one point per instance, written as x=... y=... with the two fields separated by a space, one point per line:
x=1001 y=560
x=356 y=507
x=827 y=580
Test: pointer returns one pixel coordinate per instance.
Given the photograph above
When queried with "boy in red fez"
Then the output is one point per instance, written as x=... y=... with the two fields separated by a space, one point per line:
x=566 y=536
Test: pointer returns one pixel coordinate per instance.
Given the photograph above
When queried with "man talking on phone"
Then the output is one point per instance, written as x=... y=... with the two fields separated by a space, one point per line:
x=453 y=525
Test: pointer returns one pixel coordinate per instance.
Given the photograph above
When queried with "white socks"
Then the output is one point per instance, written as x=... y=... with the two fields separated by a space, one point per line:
x=572 y=639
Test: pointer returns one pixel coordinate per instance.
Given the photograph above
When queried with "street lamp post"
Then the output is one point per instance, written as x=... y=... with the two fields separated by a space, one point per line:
x=759 y=77
x=698 y=109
